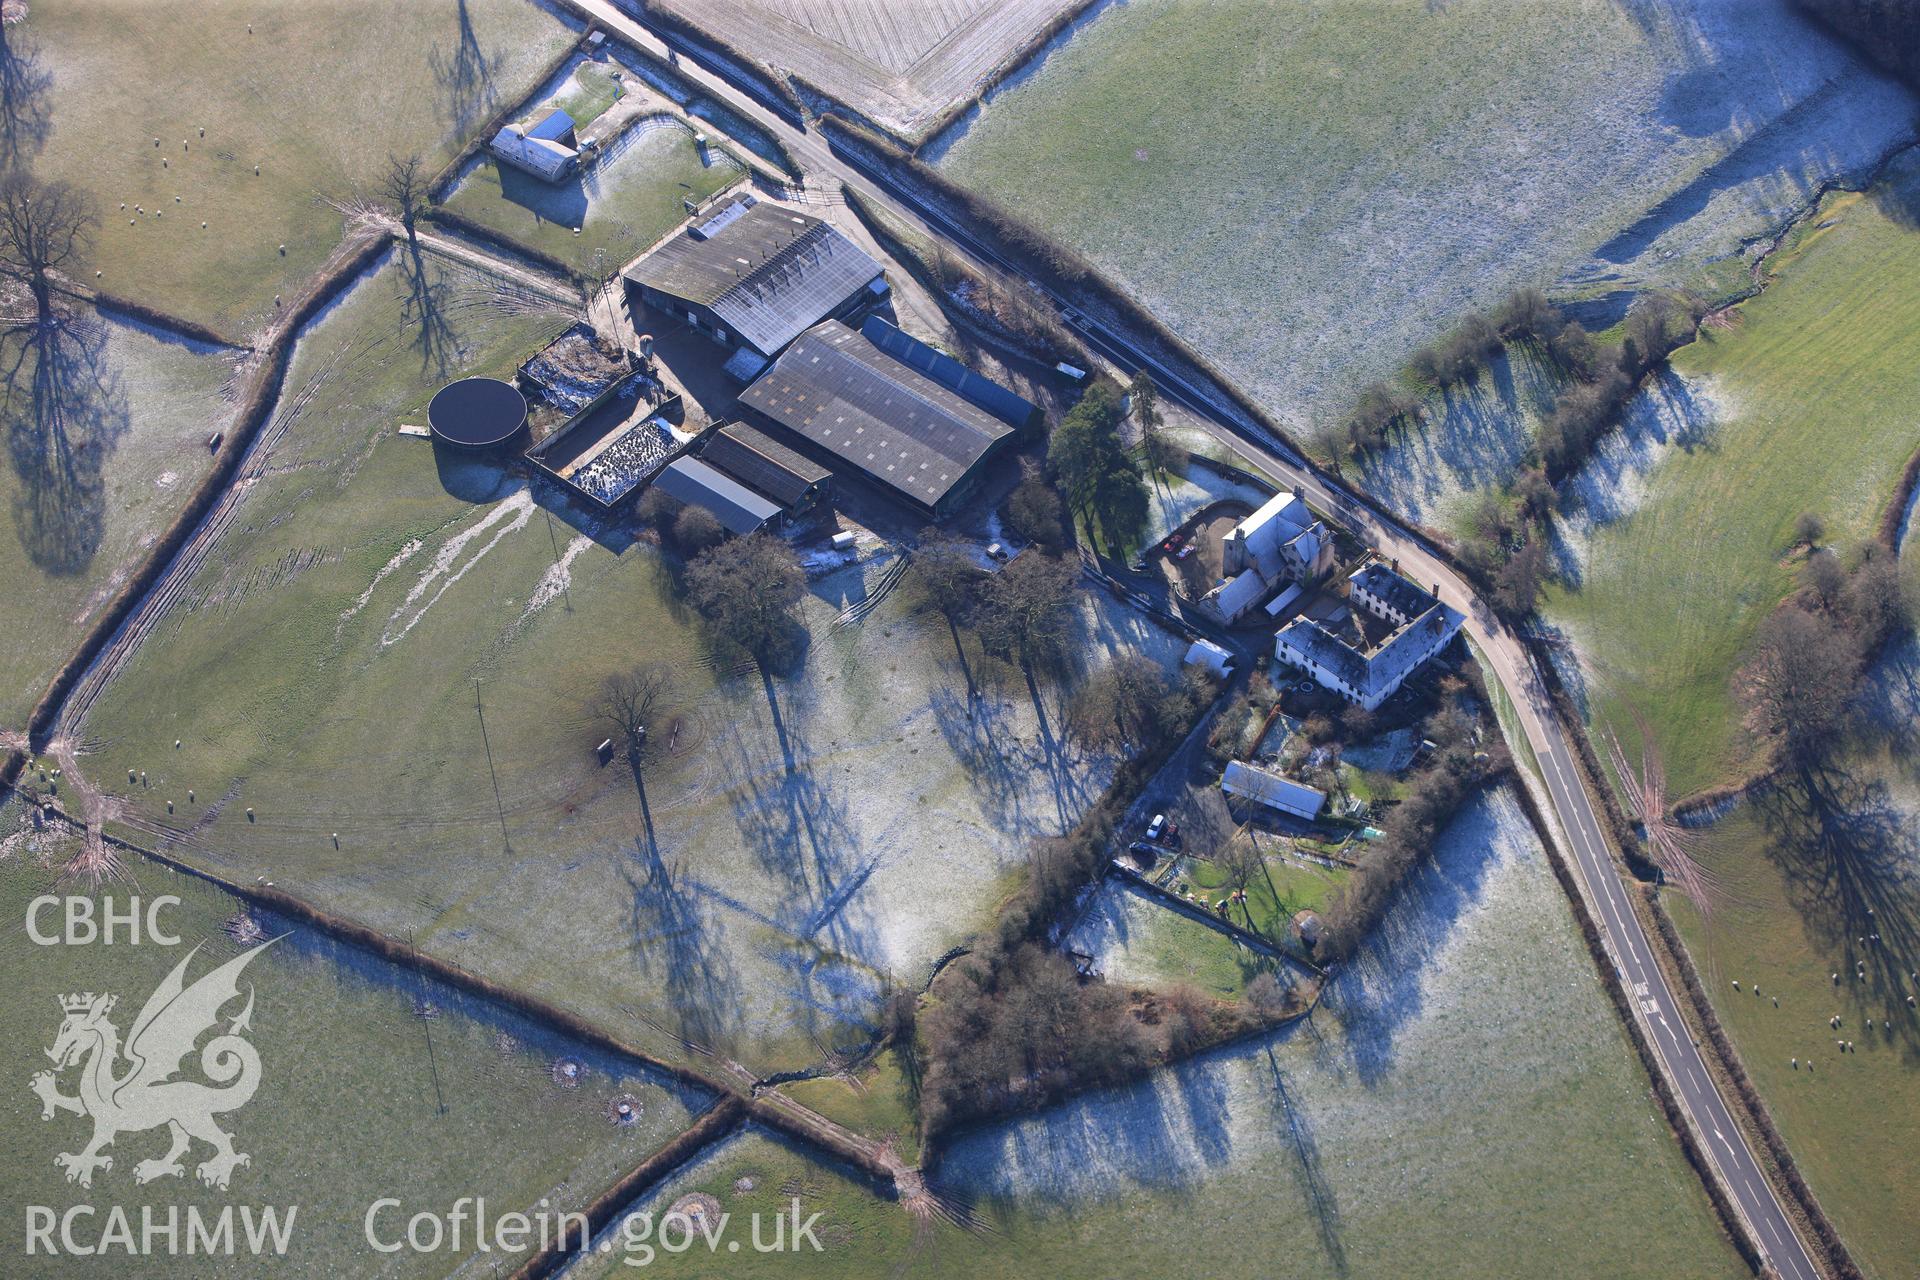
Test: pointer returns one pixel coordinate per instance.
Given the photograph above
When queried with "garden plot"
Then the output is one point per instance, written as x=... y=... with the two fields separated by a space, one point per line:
x=379 y=678
x=106 y=426
x=901 y=62
x=606 y=215
x=1463 y=1103
x=1414 y=161
x=1135 y=938
x=1801 y=405
x=320 y=129
x=351 y=1104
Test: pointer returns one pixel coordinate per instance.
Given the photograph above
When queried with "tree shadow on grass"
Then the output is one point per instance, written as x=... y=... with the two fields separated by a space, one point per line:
x=677 y=944
x=65 y=413
x=1309 y=1169
x=1383 y=988
x=1851 y=861
x=423 y=307
x=24 y=111
x=464 y=76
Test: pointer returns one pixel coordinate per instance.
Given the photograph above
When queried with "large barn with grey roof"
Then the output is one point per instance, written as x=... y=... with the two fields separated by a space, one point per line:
x=753 y=275
x=878 y=403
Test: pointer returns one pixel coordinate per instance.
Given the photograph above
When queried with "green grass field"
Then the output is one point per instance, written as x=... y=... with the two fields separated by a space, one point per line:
x=1289 y=884
x=881 y=1104
x=350 y=1108
x=320 y=128
x=105 y=438
x=400 y=653
x=1462 y=1104
x=1784 y=926
x=1804 y=404
x=1308 y=192
x=626 y=201
x=1136 y=939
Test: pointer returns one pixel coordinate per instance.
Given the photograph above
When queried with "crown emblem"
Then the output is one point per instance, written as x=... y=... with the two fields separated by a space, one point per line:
x=82 y=1003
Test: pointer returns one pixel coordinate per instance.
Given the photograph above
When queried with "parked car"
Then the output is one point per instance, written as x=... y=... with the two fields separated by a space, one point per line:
x=1184 y=552
x=1172 y=544
x=1162 y=829
x=997 y=551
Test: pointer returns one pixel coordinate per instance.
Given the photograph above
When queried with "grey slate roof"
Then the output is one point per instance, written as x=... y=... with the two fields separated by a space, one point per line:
x=842 y=393
x=738 y=508
x=1400 y=594
x=767 y=272
x=762 y=463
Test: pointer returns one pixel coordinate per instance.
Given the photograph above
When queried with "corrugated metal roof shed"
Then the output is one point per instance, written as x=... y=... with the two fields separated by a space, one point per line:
x=1254 y=783
x=762 y=463
x=837 y=390
x=767 y=272
x=738 y=508
x=1003 y=404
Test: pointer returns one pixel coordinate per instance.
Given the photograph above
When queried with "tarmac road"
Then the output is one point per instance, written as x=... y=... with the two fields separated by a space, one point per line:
x=1654 y=1004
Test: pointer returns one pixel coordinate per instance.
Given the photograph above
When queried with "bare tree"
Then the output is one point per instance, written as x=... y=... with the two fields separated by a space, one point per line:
x=1034 y=509
x=1798 y=682
x=631 y=705
x=1028 y=605
x=45 y=227
x=405 y=188
x=944 y=567
x=747 y=588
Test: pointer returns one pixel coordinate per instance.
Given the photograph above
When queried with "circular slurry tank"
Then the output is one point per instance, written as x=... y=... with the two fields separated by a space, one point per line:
x=477 y=413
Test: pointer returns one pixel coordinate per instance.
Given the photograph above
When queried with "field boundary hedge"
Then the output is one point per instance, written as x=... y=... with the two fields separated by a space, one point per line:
x=1005 y=69
x=502 y=242
x=716 y=1123
x=1046 y=259
x=1731 y=1221
x=254 y=410
x=900 y=251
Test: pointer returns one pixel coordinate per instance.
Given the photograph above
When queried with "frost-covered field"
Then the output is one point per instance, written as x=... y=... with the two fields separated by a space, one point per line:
x=1470 y=439
x=380 y=677
x=1308 y=193
x=1464 y=1104
x=105 y=439
x=350 y=1108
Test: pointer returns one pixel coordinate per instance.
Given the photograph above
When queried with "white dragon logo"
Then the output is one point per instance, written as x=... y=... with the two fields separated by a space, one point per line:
x=144 y=1095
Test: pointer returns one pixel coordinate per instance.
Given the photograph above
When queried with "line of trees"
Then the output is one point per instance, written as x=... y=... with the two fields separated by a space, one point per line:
x=1013 y=1025
x=1507 y=555
x=1800 y=682
x=1432 y=796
